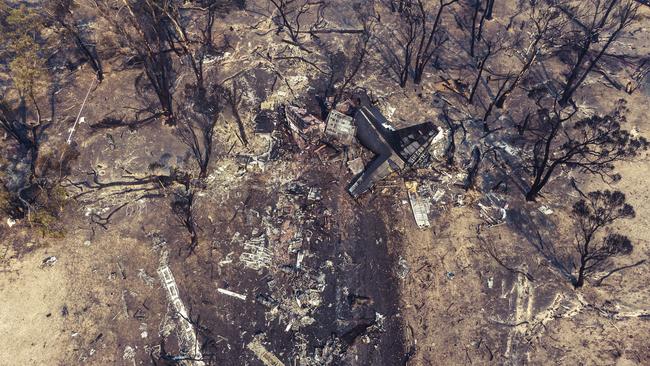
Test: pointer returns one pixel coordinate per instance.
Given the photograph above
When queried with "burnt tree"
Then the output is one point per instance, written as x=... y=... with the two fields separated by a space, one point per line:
x=598 y=24
x=430 y=33
x=398 y=5
x=22 y=116
x=590 y=144
x=145 y=30
x=417 y=39
x=233 y=96
x=183 y=208
x=593 y=214
x=341 y=72
x=61 y=12
x=477 y=25
x=193 y=46
x=488 y=10
x=196 y=126
x=544 y=29
x=399 y=47
x=290 y=16
x=488 y=51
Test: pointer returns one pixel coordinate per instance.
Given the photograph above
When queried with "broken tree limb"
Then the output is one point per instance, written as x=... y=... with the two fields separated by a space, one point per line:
x=600 y=281
x=342 y=31
x=472 y=168
x=489 y=249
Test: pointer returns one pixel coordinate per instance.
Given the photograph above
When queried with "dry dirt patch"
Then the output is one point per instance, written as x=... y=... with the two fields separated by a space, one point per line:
x=31 y=299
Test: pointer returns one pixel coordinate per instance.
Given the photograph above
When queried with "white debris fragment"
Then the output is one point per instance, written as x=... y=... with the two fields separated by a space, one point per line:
x=148 y=280
x=437 y=196
x=355 y=166
x=256 y=255
x=143 y=328
x=403 y=268
x=490 y=282
x=494 y=210
x=11 y=222
x=49 y=261
x=226 y=260
x=299 y=259
x=314 y=194
x=231 y=293
x=419 y=204
x=129 y=353
x=545 y=210
x=186 y=334
x=267 y=358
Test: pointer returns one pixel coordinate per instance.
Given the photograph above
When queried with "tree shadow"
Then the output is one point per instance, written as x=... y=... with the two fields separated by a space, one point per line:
x=535 y=229
x=117 y=122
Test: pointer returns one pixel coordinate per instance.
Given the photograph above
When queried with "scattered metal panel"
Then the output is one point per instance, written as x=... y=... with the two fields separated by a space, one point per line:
x=341 y=127
x=267 y=358
x=231 y=293
x=188 y=343
x=301 y=121
x=420 y=204
x=265 y=121
x=303 y=126
x=494 y=209
x=256 y=255
x=356 y=166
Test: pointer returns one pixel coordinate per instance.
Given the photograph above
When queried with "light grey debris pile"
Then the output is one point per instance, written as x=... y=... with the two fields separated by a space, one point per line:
x=256 y=254
x=187 y=340
x=341 y=127
x=494 y=209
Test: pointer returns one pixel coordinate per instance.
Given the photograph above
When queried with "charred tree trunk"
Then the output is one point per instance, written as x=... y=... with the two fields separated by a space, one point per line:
x=428 y=42
x=580 y=280
x=488 y=10
x=472 y=168
x=477 y=7
x=233 y=96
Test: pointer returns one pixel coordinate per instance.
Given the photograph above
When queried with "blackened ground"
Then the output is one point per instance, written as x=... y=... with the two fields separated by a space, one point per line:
x=372 y=287
x=360 y=302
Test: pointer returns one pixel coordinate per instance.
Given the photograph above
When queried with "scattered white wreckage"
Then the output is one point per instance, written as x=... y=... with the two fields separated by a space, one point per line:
x=493 y=209
x=420 y=199
x=187 y=340
x=256 y=255
x=267 y=358
x=341 y=127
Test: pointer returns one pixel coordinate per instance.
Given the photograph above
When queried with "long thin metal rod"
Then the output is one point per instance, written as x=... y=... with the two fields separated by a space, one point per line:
x=79 y=114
